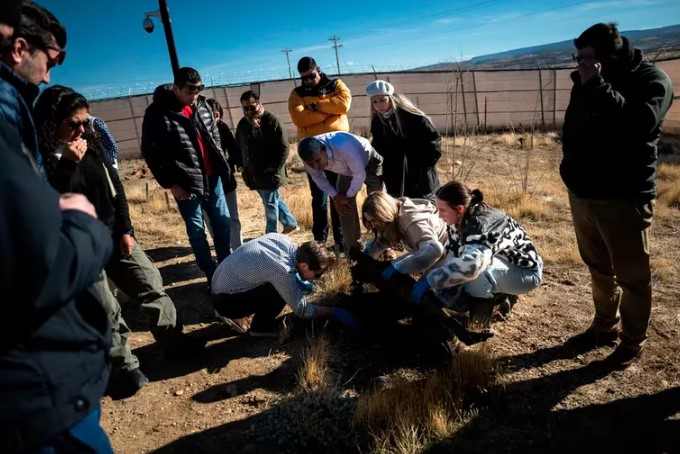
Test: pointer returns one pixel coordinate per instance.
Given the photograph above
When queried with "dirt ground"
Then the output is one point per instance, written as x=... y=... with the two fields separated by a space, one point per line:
x=547 y=400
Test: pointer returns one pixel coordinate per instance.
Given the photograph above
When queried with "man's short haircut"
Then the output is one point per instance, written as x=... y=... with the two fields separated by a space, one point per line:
x=187 y=75
x=215 y=106
x=605 y=39
x=316 y=256
x=309 y=147
x=306 y=64
x=38 y=26
x=250 y=94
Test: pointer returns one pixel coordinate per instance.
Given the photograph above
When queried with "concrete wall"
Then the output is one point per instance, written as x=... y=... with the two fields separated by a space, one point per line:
x=477 y=100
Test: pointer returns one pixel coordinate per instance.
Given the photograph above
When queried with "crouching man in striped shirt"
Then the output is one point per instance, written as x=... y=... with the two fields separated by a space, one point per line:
x=264 y=275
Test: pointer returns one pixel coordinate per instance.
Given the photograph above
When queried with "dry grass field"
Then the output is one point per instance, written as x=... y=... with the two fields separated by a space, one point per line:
x=321 y=391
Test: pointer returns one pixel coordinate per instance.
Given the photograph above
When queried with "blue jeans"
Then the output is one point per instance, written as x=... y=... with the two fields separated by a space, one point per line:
x=503 y=277
x=86 y=437
x=275 y=210
x=216 y=208
x=499 y=277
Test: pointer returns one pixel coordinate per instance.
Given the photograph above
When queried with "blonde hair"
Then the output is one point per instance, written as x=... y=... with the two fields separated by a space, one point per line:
x=384 y=208
x=399 y=102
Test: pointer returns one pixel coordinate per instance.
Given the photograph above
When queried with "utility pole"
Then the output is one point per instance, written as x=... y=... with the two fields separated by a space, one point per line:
x=290 y=72
x=336 y=46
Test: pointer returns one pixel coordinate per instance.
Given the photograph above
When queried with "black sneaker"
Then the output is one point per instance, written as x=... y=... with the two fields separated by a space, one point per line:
x=591 y=339
x=124 y=384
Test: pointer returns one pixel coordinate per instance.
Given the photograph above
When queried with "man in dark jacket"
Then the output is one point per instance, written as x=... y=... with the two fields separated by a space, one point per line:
x=54 y=353
x=611 y=129
x=264 y=148
x=181 y=145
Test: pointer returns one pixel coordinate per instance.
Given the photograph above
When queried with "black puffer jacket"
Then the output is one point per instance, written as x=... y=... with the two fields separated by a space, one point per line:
x=55 y=344
x=410 y=153
x=170 y=143
x=611 y=130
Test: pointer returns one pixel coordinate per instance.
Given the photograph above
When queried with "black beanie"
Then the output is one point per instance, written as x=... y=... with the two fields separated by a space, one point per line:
x=10 y=12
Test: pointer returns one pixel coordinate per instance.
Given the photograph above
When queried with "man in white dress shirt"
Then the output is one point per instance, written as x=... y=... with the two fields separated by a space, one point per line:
x=356 y=163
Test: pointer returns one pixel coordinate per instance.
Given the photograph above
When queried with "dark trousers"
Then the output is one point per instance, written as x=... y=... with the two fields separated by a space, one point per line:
x=320 y=212
x=613 y=239
x=263 y=301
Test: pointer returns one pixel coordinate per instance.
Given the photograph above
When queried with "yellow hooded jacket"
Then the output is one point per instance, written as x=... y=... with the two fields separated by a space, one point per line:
x=331 y=99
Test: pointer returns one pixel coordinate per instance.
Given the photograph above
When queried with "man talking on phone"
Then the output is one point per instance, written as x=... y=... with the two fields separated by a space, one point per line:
x=611 y=129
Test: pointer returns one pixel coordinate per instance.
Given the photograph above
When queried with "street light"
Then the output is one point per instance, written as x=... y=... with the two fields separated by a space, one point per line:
x=164 y=15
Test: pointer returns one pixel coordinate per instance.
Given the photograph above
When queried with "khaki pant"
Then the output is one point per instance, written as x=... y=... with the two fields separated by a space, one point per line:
x=350 y=225
x=138 y=278
x=613 y=239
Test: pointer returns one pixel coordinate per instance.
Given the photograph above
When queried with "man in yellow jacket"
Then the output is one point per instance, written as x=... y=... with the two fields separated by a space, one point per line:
x=317 y=106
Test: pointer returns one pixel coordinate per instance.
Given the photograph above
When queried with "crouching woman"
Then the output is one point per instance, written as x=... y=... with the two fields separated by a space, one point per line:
x=404 y=224
x=487 y=252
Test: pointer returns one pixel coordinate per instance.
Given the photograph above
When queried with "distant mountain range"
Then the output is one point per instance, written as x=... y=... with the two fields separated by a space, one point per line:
x=656 y=43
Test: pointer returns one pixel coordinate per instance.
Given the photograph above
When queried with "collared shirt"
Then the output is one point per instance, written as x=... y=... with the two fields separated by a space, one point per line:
x=267 y=259
x=347 y=155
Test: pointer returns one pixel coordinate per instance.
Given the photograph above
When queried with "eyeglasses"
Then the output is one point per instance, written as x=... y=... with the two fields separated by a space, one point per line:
x=309 y=77
x=194 y=88
x=76 y=125
x=251 y=108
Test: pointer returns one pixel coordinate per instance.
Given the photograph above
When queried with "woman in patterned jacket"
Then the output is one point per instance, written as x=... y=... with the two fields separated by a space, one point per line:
x=488 y=253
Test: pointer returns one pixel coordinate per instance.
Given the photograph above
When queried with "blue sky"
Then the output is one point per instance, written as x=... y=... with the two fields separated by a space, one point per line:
x=109 y=52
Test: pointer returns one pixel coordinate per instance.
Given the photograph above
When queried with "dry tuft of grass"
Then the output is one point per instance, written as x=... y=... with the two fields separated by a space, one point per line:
x=336 y=281
x=299 y=200
x=669 y=185
x=315 y=373
x=663 y=270
x=414 y=413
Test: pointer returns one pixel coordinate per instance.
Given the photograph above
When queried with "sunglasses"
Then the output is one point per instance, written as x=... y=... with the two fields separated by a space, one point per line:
x=252 y=108
x=75 y=125
x=309 y=77
x=578 y=59
x=194 y=88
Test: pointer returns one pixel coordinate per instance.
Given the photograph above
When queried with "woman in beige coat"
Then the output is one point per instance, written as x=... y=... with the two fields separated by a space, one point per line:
x=406 y=224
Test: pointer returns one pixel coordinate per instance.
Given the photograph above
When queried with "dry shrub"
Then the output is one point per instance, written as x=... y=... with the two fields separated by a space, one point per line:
x=416 y=412
x=669 y=185
x=315 y=373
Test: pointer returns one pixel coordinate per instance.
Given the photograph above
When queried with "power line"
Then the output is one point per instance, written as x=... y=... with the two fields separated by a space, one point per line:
x=336 y=46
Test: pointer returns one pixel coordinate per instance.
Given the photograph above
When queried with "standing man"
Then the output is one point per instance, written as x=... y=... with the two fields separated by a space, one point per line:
x=317 y=106
x=181 y=145
x=264 y=146
x=54 y=352
x=611 y=129
x=355 y=162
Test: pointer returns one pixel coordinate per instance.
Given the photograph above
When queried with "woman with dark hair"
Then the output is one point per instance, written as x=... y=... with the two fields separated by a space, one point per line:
x=74 y=162
x=406 y=139
x=488 y=253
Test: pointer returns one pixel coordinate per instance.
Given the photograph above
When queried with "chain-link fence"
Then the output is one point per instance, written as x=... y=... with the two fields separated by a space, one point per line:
x=478 y=101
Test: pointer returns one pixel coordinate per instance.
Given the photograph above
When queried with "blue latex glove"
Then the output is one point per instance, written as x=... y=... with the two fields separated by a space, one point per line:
x=419 y=290
x=346 y=318
x=389 y=272
x=306 y=286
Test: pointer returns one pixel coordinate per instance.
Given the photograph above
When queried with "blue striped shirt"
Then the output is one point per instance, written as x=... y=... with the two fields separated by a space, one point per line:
x=267 y=259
